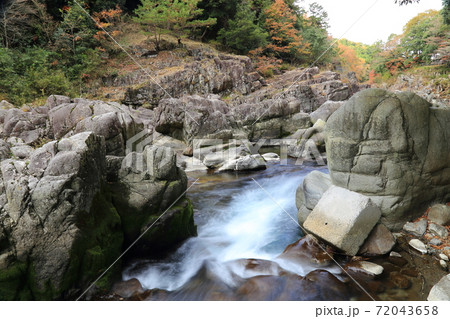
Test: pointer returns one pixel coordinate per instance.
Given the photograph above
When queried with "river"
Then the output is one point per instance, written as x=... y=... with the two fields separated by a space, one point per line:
x=239 y=216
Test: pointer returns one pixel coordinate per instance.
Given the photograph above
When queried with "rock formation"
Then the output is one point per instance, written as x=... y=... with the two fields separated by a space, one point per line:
x=394 y=148
x=69 y=207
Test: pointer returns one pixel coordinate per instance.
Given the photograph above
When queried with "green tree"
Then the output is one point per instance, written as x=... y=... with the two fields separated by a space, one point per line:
x=222 y=10
x=242 y=34
x=418 y=30
x=314 y=30
x=174 y=15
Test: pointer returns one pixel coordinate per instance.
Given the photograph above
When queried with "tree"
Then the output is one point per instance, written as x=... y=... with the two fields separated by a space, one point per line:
x=242 y=34
x=314 y=30
x=175 y=15
x=18 y=19
x=417 y=31
x=350 y=62
x=222 y=10
x=286 y=41
x=402 y=2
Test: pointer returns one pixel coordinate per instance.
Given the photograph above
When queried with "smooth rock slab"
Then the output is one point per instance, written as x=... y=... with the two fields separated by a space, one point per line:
x=418 y=245
x=343 y=218
x=440 y=291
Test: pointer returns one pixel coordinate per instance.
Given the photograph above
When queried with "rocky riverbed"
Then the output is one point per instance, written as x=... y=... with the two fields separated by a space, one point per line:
x=82 y=179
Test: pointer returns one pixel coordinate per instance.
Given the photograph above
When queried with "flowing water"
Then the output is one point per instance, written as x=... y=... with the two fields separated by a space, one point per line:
x=236 y=219
x=245 y=221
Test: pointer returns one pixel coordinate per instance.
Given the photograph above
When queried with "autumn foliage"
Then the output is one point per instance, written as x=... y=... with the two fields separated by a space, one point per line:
x=350 y=62
x=286 y=40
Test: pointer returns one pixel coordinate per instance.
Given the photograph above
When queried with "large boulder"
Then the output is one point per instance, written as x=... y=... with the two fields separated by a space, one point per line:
x=440 y=214
x=146 y=185
x=66 y=213
x=394 y=148
x=308 y=194
x=343 y=218
x=194 y=117
x=60 y=230
x=440 y=291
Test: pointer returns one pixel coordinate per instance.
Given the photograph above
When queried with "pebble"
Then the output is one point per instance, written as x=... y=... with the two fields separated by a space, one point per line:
x=438 y=230
x=271 y=157
x=418 y=245
x=418 y=228
x=443 y=264
x=443 y=257
x=394 y=254
x=435 y=242
x=371 y=268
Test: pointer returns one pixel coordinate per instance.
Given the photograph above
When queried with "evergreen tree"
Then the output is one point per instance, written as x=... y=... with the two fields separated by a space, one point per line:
x=175 y=15
x=242 y=34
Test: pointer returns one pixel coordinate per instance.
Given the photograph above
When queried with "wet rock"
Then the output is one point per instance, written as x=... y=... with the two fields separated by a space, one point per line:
x=395 y=254
x=271 y=157
x=308 y=194
x=440 y=291
x=418 y=228
x=128 y=288
x=371 y=141
x=343 y=218
x=440 y=214
x=365 y=267
x=399 y=280
x=247 y=268
x=380 y=242
x=317 y=285
x=410 y=272
x=245 y=163
x=438 y=230
x=418 y=245
x=307 y=250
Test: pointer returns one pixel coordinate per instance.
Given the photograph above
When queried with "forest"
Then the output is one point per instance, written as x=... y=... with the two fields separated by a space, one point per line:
x=55 y=47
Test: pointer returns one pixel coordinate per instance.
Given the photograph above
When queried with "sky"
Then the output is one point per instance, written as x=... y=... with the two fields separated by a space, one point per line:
x=367 y=21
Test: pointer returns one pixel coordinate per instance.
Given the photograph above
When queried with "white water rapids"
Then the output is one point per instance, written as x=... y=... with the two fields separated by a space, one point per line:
x=236 y=220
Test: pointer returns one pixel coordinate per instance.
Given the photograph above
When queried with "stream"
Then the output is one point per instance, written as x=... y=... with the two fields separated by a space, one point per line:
x=236 y=220
x=248 y=248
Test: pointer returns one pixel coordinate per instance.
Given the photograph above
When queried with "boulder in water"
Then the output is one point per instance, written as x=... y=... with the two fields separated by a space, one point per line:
x=343 y=218
x=308 y=194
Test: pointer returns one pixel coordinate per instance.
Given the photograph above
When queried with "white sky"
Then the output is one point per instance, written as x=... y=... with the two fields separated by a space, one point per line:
x=383 y=19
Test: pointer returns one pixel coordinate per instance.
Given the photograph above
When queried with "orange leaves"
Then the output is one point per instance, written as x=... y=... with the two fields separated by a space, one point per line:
x=286 y=41
x=106 y=21
x=351 y=62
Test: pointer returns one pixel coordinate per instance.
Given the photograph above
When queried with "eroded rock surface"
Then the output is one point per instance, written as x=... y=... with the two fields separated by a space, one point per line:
x=394 y=148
